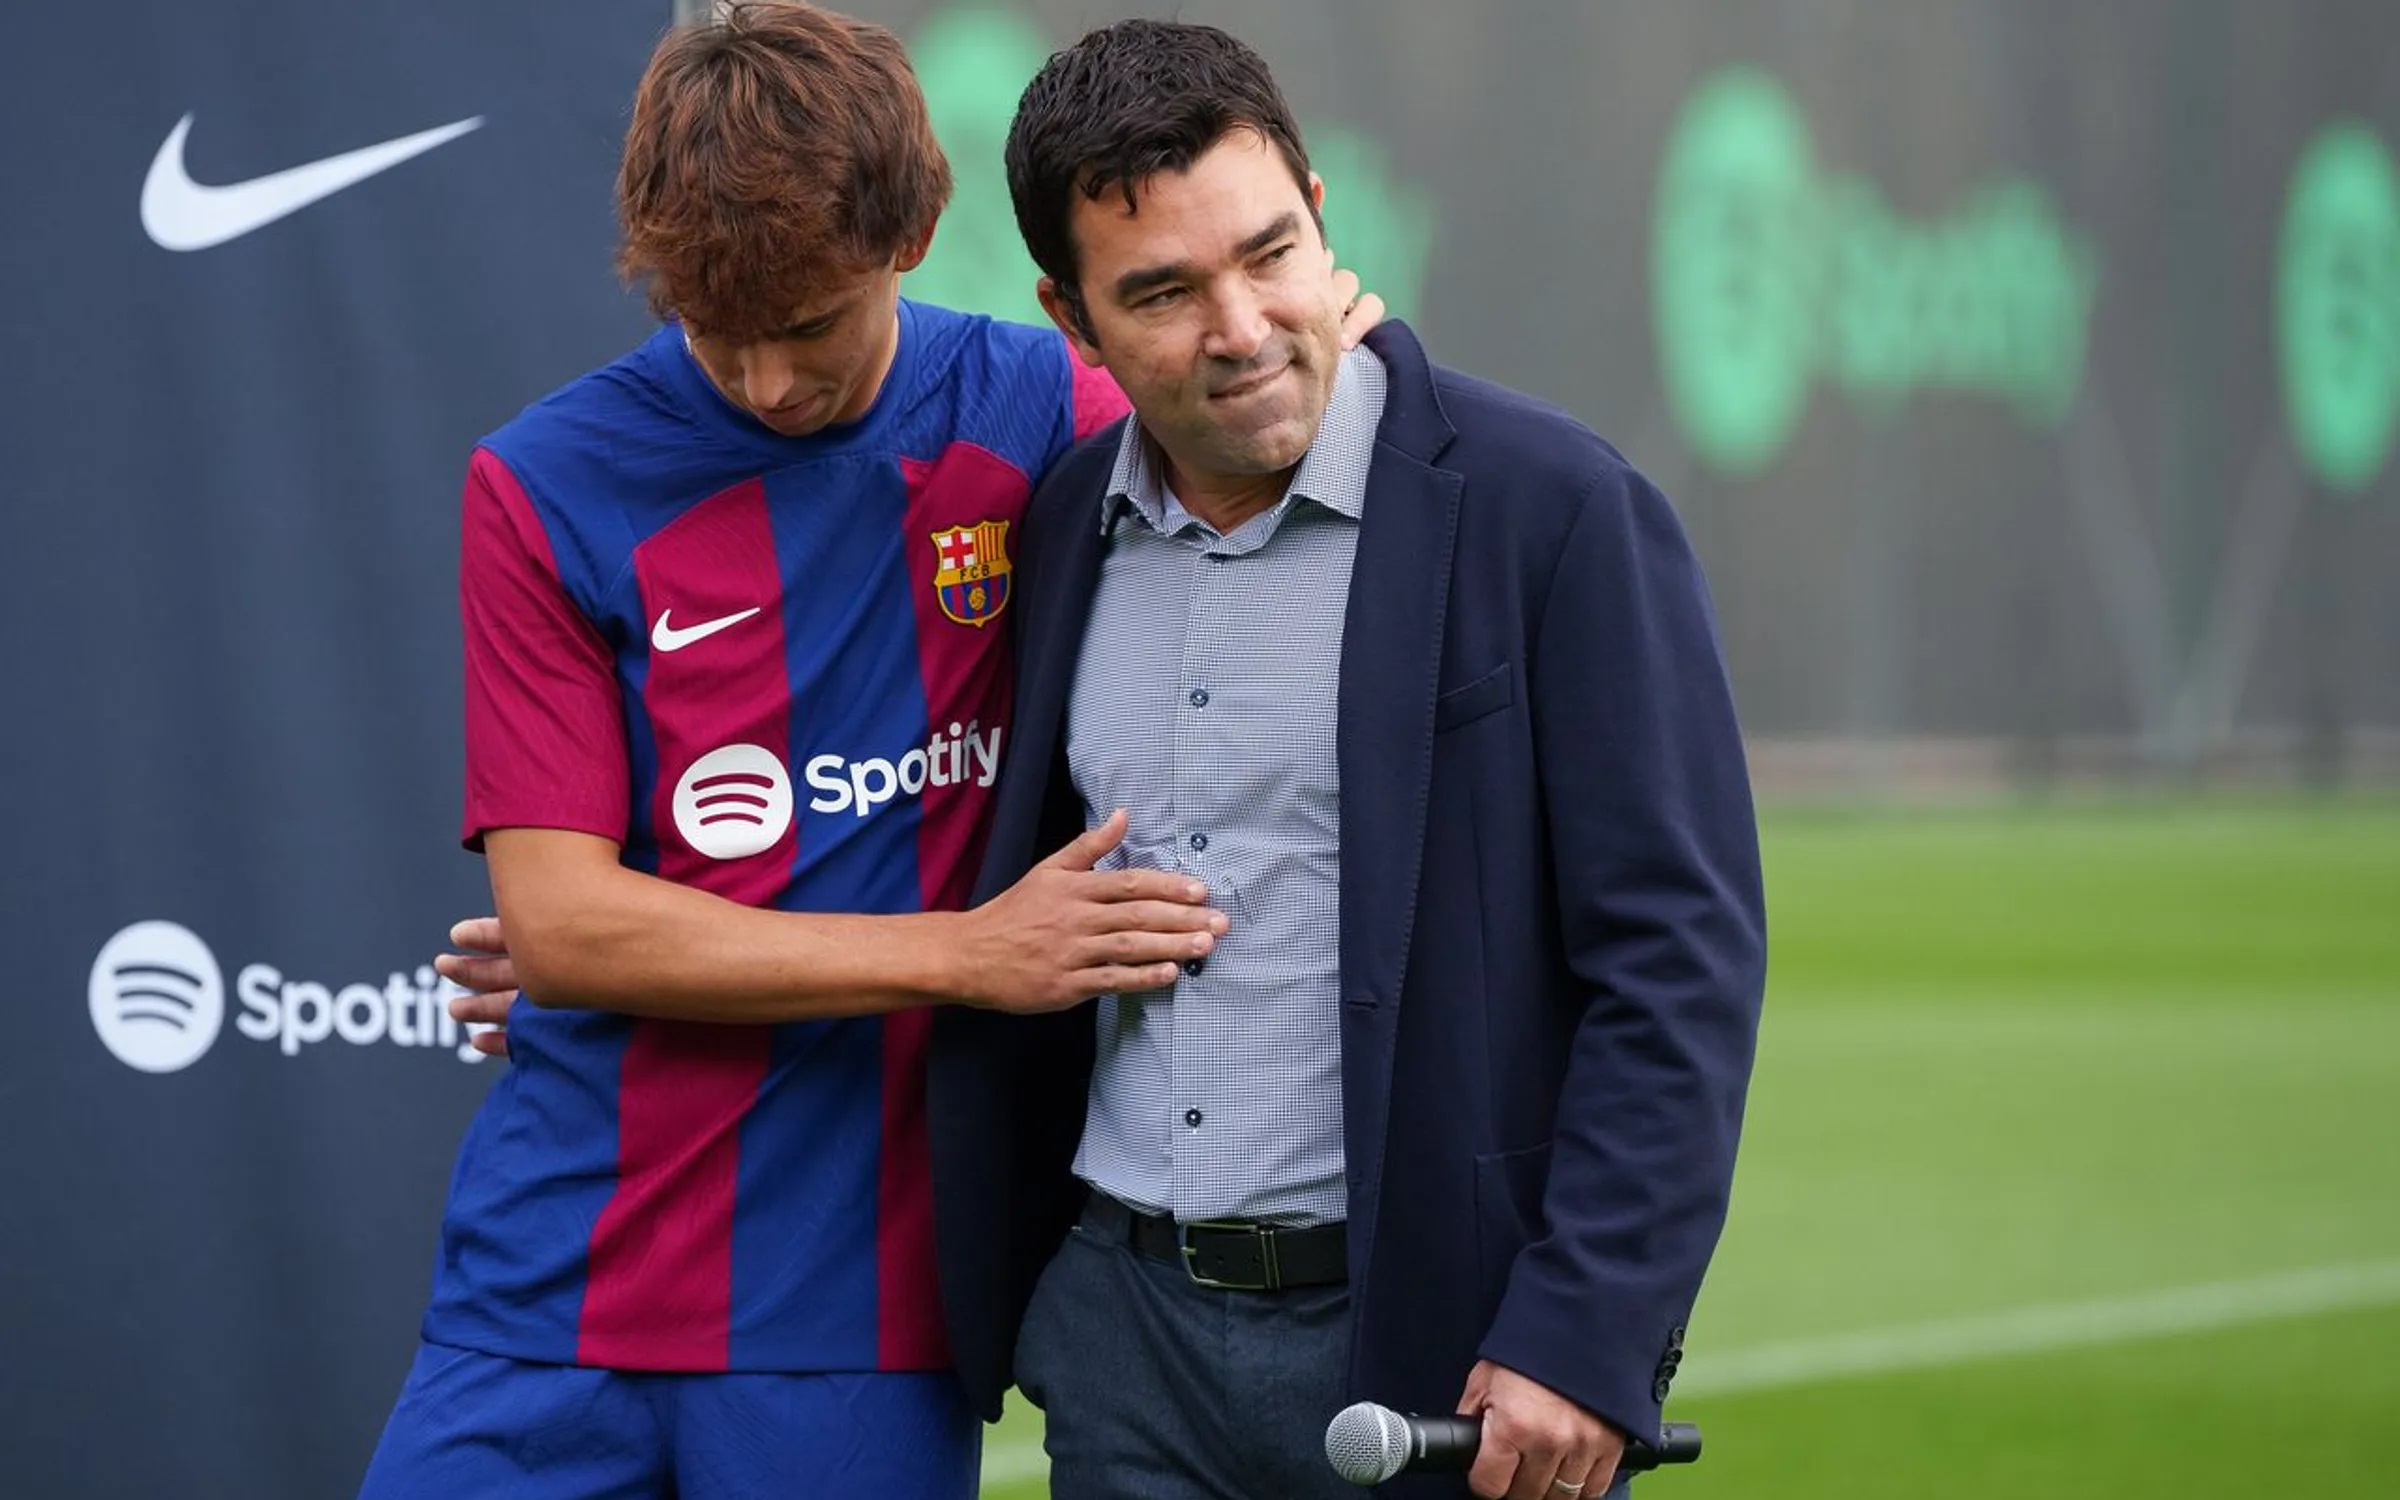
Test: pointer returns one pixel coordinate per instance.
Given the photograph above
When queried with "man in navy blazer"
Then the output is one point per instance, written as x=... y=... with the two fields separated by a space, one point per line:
x=1544 y=969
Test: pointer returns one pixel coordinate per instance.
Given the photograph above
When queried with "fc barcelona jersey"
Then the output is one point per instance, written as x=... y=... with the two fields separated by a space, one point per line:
x=775 y=669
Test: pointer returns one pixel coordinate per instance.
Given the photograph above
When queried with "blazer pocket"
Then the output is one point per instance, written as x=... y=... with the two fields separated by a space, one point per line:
x=1508 y=1210
x=1488 y=694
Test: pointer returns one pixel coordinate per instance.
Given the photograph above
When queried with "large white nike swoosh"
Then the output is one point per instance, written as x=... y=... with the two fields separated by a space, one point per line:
x=665 y=637
x=181 y=214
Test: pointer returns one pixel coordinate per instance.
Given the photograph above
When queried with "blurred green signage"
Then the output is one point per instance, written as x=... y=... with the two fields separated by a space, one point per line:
x=974 y=63
x=1767 y=274
x=2337 y=306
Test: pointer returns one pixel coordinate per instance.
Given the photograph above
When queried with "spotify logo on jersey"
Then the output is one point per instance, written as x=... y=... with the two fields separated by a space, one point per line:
x=157 y=997
x=2337 y=305
x=1767 y=275
x=734 y=802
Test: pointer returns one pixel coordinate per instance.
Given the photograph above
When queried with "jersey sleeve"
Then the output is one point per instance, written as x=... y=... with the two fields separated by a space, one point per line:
x=1094 y=399
x=546 y=743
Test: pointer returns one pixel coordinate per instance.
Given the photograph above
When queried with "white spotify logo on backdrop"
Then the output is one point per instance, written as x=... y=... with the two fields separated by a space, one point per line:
x=158 y=1001
x=158 y=997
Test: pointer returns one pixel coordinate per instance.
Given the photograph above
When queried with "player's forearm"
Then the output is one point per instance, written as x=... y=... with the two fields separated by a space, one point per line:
x=619 y=940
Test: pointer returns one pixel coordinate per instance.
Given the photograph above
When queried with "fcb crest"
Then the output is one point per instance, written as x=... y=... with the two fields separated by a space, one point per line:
x=971 y=572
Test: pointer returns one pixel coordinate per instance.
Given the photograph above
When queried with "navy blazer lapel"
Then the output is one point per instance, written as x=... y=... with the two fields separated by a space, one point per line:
x=1391 y=662
x=1065 y=572
x=1058 y=562
x=1390 y=671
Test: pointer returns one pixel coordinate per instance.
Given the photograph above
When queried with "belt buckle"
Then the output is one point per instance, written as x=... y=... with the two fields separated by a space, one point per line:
x=1262 y=1234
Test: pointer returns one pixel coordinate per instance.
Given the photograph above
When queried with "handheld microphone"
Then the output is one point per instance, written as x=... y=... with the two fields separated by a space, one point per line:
x=1368 y=1444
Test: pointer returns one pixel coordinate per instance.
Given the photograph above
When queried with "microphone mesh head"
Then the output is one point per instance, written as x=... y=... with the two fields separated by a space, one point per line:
x=1367 y=1444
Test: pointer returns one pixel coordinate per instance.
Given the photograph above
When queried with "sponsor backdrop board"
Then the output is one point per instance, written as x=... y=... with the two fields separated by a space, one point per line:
x=273 y=268
x=2026 y=376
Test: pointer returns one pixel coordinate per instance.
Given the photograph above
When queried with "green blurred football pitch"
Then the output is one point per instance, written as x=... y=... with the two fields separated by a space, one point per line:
x=2072 y=1164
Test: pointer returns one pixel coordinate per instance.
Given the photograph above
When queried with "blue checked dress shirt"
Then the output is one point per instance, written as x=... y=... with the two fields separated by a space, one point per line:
x=1204 y=704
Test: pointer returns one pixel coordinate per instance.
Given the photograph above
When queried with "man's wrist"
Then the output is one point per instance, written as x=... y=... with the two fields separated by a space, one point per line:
x=939 y=958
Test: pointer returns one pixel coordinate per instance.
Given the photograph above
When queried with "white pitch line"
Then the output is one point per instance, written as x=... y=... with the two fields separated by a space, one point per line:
x=1950 y=1341
x=2042 y=1329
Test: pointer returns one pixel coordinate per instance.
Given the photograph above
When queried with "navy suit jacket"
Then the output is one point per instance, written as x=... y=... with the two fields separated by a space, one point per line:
x=1552 y=942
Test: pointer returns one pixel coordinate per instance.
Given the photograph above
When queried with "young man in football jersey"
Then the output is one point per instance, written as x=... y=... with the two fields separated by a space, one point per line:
x=738 y=685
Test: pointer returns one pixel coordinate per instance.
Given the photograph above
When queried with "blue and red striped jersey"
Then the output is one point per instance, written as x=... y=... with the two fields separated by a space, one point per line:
x=774 y=669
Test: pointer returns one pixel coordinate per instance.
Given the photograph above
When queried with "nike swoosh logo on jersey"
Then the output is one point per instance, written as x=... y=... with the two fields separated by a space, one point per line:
x=665 y=637
x=180 y=214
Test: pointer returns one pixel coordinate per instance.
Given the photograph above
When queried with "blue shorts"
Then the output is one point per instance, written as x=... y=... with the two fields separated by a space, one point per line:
x=470 y=1426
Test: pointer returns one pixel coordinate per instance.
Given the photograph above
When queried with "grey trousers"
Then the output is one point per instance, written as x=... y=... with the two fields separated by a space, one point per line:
x=1156 y=1388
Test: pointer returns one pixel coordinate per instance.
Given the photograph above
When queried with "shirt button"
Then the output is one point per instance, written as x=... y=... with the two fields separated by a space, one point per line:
x=1192 y=1118
x=1199 y=697
x=1194 y=967
x=1199 y=842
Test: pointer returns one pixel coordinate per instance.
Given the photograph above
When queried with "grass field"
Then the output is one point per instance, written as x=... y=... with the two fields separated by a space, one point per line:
x=2072 y=1165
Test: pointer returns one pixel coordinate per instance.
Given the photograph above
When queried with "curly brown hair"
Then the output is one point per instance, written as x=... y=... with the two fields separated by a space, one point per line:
x=774 y=149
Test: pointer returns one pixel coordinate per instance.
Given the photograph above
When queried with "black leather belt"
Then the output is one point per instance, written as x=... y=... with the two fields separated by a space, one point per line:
x=1231 y=1255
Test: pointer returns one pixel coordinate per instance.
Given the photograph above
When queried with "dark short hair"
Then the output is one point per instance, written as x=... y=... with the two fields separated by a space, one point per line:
x=772 y=150
x=1127 y=102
